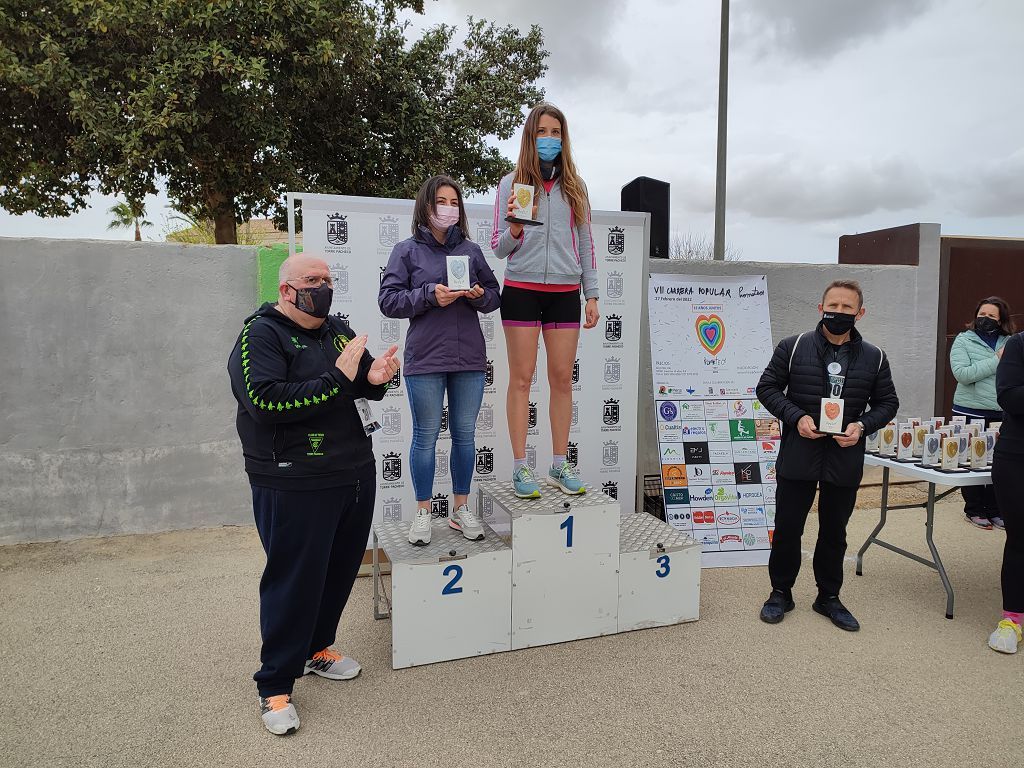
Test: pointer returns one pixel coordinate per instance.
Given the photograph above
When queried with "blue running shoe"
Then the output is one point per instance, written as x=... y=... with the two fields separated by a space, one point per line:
x=564 y=479
x=525 y=484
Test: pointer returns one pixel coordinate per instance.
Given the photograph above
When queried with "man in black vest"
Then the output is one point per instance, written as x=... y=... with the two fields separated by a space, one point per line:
x=829 y=373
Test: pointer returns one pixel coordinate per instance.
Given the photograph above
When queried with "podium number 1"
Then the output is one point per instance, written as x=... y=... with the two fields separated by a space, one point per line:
x=662 y=572
x=567 y=527
x=450 y=588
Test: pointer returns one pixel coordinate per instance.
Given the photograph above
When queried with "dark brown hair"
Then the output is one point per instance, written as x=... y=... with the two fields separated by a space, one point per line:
x=850 y=285
x=528 y=164
x=1005 y=323
x=425 y=203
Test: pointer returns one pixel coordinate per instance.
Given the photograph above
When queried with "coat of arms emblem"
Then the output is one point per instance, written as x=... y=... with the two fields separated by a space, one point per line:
x=337 y=229
x=616 y=241
x=387 y=231
x=391 y=467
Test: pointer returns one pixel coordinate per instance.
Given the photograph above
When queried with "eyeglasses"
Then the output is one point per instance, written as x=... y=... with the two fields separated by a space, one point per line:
x=312 y=281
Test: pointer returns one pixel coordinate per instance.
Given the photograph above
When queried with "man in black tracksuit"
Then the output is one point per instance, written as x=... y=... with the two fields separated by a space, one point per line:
x=298 y=376
x=832 y=360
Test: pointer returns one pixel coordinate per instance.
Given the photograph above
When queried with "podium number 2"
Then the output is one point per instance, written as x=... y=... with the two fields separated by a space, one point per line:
x=455 y=571
x=567 y=527
x=662 y=572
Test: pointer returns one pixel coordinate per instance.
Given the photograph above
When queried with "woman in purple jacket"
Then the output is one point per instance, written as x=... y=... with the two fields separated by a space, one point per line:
x=444 y=349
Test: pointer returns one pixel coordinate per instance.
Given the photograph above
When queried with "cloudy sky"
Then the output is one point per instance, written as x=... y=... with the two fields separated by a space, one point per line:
x=844 y=115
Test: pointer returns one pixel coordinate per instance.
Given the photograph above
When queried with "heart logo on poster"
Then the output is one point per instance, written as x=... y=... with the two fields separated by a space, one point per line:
x=711 y=333
x=832 y=410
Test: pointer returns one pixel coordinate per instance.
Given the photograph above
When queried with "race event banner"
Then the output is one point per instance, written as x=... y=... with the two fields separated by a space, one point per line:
x=710 y=341
x=355 y=236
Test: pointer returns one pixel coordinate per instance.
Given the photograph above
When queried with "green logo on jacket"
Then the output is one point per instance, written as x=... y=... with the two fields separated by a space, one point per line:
x=316 y=439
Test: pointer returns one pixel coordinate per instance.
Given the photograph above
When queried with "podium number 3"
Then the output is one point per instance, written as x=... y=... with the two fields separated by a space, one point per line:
x=662 y=572
x=455 y=571
x=567 y=527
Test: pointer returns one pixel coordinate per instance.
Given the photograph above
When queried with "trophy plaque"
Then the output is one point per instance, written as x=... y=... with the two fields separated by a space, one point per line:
x=932 y=455
x=831 y=421
x=920 y=433
x=887 y=440
x=951 y=454
x=905 y=448
x=871 y=443
x=978 y=453
x=458 y=273
x=522 y=211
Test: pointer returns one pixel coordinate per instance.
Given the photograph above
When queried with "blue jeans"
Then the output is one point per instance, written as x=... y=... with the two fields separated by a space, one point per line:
x=426 y=399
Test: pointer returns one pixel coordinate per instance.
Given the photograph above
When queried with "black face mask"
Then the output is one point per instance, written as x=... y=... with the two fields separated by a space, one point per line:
x=838 y=323
x=314 y=301
x=987 y=326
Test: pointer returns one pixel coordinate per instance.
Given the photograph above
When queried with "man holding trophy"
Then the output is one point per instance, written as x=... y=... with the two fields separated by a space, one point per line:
x=829 y=387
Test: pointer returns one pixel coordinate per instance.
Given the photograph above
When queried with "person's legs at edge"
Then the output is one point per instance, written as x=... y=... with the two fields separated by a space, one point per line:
x=793 y=502
x=350 y=542
x=1008 y=481
x=297 y=529
x=835 y=505
x=426 y=401
x=521 y=345
x=560 y=346
x=465 y=393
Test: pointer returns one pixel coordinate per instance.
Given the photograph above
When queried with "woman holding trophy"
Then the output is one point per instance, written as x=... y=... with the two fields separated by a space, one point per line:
x=439 y=279
x=542 y=228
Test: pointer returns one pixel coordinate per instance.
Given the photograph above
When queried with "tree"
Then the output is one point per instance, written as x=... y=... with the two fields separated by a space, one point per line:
x=693 y=247
x=233 y=102
x=127 y=217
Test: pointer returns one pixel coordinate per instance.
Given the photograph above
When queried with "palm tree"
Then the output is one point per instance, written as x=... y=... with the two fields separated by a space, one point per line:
x=126 y=217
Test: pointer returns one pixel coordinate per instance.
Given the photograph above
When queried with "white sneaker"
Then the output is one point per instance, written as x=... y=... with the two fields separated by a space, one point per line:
x=279 y=715
x=419 y=531
x=1005 y=637
x=463 y=519
x=332 y=665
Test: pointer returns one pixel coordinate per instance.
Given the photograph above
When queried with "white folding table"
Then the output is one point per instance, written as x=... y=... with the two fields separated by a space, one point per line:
x=933 y=477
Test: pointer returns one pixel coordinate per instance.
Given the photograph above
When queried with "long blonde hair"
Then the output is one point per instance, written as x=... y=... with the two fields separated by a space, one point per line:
x=528 y=165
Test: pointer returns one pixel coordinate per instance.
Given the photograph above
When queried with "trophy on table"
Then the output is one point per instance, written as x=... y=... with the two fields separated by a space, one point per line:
x=978 y=453
x=522 y=211
x=920 y=433
x=887 y=440
x=871 y=443
x=905 y=449
x=951 y=454
x=932 y=455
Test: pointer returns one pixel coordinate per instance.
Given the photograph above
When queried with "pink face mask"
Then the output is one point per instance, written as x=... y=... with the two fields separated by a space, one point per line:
x=444 y=216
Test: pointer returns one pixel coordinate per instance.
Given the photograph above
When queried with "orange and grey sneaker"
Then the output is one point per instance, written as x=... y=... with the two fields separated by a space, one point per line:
x=279 y=715
x=332 y=665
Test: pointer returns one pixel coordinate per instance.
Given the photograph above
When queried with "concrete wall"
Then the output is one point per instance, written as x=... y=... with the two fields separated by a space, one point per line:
x=117 y=412
x=900 y=318
x=118 y=415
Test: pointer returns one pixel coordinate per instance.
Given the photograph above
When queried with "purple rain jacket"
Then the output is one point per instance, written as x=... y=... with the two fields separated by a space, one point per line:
x=440 y=339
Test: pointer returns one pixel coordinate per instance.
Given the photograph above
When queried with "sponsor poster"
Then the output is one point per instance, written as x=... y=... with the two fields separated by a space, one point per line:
x=355 y=236
x=710 y=341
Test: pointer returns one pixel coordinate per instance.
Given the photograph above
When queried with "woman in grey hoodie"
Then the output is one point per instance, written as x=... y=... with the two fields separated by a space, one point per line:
x=547 y=266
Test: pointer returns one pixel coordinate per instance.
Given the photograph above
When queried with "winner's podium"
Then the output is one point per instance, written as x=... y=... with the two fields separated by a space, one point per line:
x=576 y=568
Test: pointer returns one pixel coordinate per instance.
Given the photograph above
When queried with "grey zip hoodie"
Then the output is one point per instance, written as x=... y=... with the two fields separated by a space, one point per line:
x=559 y=252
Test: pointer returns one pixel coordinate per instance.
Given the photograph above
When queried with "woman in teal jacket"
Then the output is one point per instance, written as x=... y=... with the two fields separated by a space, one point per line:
x=973 y=358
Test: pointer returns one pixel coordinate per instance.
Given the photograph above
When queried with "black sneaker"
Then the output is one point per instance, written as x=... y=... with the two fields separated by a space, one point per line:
x=776 y=607
x=837 y=612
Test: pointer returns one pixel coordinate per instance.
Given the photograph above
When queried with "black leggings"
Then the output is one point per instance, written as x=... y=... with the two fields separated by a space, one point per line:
x=1008 y=480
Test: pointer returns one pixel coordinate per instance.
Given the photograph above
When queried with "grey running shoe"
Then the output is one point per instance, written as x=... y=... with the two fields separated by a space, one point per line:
x=332 y=665
x=279 y=715
x=463 y=519
x=419 y=531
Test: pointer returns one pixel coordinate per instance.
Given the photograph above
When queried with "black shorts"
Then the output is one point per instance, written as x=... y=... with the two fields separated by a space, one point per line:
x=548 y=309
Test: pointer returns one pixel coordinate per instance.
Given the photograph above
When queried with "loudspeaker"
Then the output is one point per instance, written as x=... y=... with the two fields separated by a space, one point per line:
x=650 y=196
